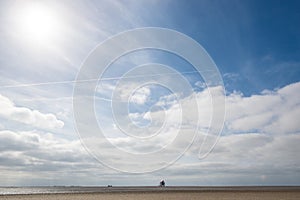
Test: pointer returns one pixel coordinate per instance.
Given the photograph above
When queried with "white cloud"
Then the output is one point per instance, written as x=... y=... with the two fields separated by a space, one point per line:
x=257 y=117
x=36 y=149
x=201 y=84
x=27 y=116
x=259 y=145
x=272 y=112
x=231 y=76
x=141 y=95
x=260 y=130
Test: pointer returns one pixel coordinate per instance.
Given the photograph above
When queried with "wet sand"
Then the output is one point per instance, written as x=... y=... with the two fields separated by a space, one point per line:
x=172 y=193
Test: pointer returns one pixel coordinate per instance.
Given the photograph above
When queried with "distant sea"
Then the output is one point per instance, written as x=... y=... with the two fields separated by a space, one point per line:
x=78 y=189
x=48 y=190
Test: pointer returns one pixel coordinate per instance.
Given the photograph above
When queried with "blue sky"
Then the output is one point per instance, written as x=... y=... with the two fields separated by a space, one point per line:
x=254 y=44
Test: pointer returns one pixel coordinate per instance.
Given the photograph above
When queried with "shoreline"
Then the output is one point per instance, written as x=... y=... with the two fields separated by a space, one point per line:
x=81 y=190
x=168 y=194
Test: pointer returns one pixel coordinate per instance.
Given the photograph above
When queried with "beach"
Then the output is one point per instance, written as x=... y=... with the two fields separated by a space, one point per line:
x=171 y=193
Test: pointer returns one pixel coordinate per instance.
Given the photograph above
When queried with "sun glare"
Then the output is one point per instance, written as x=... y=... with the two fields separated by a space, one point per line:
x=38 y=23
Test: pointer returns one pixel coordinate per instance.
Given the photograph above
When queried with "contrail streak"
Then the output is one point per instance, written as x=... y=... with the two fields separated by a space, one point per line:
x=93 y=80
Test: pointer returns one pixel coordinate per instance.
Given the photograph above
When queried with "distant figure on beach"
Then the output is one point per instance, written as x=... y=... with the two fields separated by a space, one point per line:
x=162 y=183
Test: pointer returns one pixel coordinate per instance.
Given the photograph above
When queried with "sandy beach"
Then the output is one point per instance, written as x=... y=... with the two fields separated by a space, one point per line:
x=162 y=196
x=269 y=194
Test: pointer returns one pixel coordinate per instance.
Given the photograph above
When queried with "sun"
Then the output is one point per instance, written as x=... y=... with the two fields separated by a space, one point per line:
x=38 y=23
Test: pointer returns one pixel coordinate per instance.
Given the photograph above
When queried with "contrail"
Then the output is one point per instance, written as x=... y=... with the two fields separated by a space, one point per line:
x=92 y=80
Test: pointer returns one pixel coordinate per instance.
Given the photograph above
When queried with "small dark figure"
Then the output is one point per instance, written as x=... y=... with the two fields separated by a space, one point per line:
x=109 y=186
x=162 y=183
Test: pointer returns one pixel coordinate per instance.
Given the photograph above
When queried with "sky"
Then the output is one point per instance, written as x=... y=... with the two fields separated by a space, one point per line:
x=151 y=113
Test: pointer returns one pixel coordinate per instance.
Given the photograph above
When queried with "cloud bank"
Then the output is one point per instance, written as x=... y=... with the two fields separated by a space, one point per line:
x=259 y=145
x=25 y=115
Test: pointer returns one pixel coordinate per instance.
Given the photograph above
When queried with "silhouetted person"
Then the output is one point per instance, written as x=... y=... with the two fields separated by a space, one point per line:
x=162 y=183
